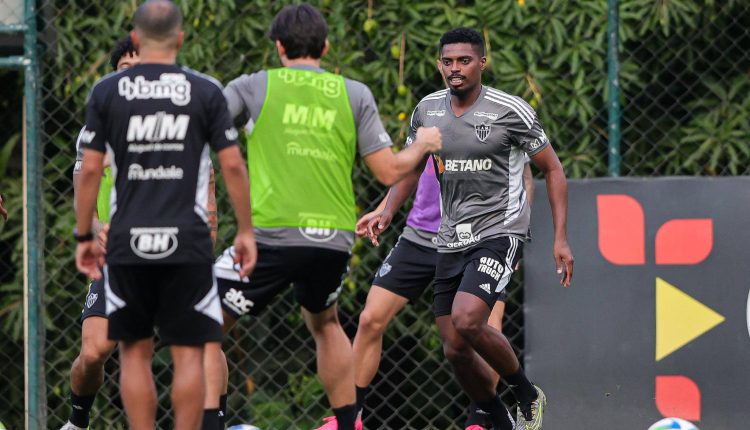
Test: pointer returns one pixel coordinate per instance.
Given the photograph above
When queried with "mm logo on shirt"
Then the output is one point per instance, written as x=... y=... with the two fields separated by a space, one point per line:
x=173 y=86
x=158 y=127
x=153 y=243
x=309 y=116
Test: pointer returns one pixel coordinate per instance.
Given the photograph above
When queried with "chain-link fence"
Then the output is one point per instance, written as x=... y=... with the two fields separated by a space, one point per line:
x=11 y=251
x=687 y=92
x=685 y=108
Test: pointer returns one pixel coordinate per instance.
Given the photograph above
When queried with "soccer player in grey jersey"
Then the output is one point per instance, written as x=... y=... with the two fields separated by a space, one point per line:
x=293 y=250
x=485 y=217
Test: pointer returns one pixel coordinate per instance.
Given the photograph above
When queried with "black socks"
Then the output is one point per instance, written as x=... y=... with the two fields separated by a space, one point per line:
x=211 y=420
x=79 y=416
x=222 y=411
x=499 y=416
x=361 y=393
x=477 y=416
x=346 y=416
x=521 y=387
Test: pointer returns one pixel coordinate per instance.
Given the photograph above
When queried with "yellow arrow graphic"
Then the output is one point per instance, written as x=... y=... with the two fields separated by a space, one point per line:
x=679 y=319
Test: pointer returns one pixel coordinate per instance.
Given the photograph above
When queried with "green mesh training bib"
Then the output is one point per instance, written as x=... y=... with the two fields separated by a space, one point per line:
x=102 y=199
x=301 y=153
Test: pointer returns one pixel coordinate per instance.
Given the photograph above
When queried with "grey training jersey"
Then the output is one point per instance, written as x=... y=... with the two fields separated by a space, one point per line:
x=245 y=97
x=480 y=168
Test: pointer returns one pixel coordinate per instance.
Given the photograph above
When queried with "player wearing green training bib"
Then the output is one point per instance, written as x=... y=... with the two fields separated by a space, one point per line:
x=316 y=145
x=102 y=199
x=306 y=127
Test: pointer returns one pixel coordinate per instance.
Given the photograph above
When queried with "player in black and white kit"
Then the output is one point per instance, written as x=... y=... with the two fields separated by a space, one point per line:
x=157 y=121
x=485 y=219
x=87 y=370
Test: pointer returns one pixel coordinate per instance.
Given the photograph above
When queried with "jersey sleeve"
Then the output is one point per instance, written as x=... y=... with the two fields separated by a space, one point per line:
x=526 y=131
x=234 y=92
x=414 y=123
x=92 y=136
x=221 y=132
x=371 y=134
x=245 y=96
x=79 y=153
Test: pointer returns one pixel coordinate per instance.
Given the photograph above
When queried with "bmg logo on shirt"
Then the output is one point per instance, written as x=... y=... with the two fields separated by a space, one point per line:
x=154 y=243
x=173 y=86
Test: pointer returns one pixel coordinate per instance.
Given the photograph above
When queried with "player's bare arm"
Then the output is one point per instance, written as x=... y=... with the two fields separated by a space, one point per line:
x=557 y=190
x=360 y=229
x=88 y=252
x=213 y=217
x=96 y=225
x=237 y=183
x=396 y=197
x=389 y=168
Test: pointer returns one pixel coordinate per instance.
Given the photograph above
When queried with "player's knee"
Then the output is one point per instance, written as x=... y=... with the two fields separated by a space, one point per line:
x=94 y=354
x=371 y=324
x=324 y=323
x=466 y=324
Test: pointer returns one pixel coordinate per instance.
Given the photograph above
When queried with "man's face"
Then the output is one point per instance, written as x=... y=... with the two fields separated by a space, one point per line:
x=127 y=61
x=461 y=66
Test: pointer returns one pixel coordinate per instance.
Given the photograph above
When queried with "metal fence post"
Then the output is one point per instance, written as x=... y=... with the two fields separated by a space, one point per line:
x=613 y=86
x=33 y=239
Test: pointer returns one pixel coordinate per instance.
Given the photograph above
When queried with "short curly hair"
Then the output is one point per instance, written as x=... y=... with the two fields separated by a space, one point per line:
x=122 y=47
x=463 y=35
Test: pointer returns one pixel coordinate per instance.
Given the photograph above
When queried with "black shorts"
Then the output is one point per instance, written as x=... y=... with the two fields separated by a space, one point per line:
x=316 y=274
x=96 y=304
x=407 y=270
x=180 y=299
x=483 y=271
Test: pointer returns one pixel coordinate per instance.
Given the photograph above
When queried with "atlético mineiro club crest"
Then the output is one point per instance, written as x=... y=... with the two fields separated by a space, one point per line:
x=91 y=299
x=482 y=131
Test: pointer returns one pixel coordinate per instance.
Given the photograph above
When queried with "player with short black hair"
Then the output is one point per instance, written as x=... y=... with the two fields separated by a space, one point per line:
x=123 y=49
x=157 y=121
x=463 y=35
x=305 y=129
x=485 y=219
x=302 y=31
x=407 y=270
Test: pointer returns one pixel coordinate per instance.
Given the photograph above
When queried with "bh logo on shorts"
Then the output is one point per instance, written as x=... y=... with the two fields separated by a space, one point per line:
x=237 y=302
x=154 y=243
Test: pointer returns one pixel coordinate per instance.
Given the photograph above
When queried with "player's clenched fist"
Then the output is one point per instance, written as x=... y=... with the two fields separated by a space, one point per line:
x=430 y=137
